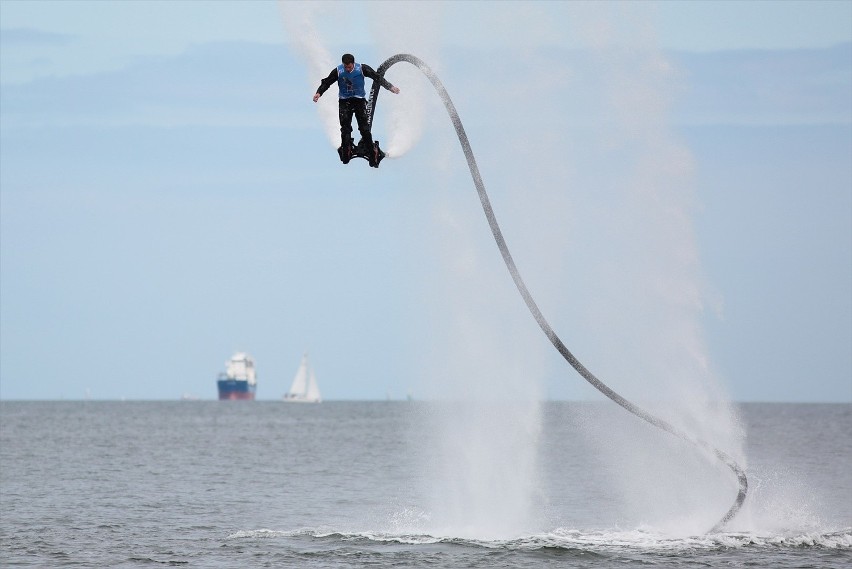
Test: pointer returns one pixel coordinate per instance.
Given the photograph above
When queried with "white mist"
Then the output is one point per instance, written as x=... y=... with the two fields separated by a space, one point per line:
x=299 y=20
x=484 y=378
x=645 y=308
x=601 y=229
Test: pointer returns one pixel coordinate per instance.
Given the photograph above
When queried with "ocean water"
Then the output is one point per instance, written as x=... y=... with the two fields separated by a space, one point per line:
x=342 y=484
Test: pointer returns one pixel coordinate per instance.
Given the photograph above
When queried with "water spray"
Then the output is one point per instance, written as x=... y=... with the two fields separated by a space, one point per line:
x=530 y=302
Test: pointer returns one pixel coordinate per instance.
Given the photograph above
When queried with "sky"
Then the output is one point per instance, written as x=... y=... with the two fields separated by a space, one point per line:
x=674 y=180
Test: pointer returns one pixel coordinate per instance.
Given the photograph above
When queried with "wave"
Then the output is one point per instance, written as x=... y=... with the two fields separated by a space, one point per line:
x=590 y=541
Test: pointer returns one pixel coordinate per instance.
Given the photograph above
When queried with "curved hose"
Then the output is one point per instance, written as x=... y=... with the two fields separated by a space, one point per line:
x=528 y=299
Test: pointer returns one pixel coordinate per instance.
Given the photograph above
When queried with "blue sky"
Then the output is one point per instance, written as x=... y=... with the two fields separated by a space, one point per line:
x=674 y=180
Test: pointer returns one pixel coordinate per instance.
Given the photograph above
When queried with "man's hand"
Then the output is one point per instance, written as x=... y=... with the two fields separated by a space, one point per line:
x=395 y=90
x=317 y=96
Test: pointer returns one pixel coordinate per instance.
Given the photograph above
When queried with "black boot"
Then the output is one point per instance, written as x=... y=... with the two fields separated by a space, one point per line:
x=374 y=155
x=345 y=150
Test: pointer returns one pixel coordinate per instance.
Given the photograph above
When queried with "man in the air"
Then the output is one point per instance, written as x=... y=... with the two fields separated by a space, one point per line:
x=353 y=100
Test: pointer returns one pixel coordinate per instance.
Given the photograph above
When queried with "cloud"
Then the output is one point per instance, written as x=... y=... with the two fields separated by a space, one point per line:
x=27 y=37
x=224 y=84
x=244 y=83
x=803 y=86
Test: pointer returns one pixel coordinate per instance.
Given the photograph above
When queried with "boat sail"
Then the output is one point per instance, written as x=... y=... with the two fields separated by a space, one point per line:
x=304 y=388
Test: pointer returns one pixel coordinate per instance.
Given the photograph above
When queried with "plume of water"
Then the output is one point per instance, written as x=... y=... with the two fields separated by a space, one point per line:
x=396 y=27
x=641 y=287
x=484 y=456
x=305 y=39
x=408 y=27
x=649 y=296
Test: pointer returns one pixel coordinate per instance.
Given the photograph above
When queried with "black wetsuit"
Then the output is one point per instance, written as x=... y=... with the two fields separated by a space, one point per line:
x=353 y=105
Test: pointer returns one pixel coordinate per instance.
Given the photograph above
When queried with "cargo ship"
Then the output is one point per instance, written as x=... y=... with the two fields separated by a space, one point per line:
x=239 y=380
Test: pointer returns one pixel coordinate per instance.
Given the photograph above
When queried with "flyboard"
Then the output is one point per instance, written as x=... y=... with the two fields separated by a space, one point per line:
x=372 y=155
x=723 y=457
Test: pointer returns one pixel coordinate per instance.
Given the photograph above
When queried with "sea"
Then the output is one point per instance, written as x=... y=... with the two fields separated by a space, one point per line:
x=353 y=484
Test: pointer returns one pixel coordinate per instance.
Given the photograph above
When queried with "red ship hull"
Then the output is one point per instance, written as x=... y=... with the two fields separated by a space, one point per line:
x=236 y=390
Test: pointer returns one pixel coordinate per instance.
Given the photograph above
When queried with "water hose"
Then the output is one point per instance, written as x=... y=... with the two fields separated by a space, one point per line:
x=530 y=302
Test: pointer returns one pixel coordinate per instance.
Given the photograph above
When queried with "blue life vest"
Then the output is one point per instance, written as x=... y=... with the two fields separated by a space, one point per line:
x=351 y=84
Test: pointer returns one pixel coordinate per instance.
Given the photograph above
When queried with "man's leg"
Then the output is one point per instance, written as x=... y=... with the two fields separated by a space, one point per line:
x=360 y=108
x=345 y=111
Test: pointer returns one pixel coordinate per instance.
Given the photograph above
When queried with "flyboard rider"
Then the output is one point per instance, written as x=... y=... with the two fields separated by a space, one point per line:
x=353 y=100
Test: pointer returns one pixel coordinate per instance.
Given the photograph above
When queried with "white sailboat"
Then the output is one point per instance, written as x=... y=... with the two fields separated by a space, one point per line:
x=304 y=388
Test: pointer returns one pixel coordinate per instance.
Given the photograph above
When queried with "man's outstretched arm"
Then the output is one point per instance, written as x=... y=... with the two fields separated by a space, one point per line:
x=325 y=84
x=369 y=72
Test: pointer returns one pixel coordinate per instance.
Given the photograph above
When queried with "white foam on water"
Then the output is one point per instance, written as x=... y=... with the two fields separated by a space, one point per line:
x=602 y=540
